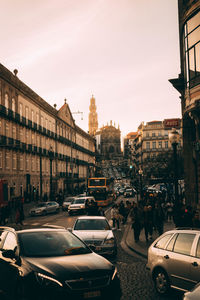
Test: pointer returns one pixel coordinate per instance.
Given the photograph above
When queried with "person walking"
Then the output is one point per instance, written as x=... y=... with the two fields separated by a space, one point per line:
x=148 y=221
x=115 y=216
x=158 y=218
x=136 y=223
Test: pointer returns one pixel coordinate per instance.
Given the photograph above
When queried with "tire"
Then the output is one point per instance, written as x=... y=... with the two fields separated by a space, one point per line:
x=44 y=213
x=161 y=282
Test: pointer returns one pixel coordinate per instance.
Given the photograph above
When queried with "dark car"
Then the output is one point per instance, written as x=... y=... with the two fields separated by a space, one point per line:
x=51 y=264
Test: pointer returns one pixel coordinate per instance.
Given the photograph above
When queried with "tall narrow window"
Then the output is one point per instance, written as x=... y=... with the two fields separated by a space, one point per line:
x=14 y=132
x=26 y=114
x=32 y=116
x=37 y=120
x=20 y=111
x=27 y=163
x=13 y=106
x=7 y=161
x=6 y=102
x=21 y=162
x=14 y=161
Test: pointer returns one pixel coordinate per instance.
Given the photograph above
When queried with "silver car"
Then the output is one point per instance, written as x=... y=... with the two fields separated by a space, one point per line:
x=77 y=206
x=43 y=208
x=174 y=260
x=95 y=231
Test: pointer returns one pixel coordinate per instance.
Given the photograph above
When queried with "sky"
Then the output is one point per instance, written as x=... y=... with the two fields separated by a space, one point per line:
x=121 y=51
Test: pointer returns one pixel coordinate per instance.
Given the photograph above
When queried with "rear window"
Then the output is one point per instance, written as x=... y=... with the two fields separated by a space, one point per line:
x=163 y=241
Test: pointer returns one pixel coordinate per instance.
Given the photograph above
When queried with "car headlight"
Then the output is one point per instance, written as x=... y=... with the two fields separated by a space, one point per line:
x=81 y=206
x=114 y=273
x=109 y=241
x=46 y=280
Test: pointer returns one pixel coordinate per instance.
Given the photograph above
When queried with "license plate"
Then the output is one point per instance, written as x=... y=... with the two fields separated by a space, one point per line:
x=91 y=294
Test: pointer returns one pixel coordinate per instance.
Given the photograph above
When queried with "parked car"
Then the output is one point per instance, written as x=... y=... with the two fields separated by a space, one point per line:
x=96 y=231
x=128 y=192
x=47 y=263
x=174 y=260
x=194 y=294
x=67 y=201
x=43 y=208
x=77 y=206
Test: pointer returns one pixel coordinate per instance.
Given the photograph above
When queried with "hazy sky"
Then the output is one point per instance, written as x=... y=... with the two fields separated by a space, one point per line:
x=121 y=51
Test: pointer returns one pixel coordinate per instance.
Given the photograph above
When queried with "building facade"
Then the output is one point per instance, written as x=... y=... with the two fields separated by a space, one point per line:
x=42 y=150
x=188 y=84
x=152 y=140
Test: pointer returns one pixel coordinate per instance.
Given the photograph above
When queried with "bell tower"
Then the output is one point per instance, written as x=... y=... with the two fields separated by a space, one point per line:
x=93 y=120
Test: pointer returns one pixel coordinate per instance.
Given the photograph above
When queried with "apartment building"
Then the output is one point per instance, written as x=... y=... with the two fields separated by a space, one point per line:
x=42 y=150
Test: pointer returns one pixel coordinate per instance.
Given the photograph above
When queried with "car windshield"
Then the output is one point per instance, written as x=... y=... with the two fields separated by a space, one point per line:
x=51 y=243
x=86 y=224
x=78 y=201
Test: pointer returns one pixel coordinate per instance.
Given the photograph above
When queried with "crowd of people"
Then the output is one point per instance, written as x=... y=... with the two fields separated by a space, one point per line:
x=12 y=212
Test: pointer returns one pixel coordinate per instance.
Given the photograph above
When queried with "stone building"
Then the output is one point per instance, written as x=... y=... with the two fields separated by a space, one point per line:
x=110 y=142
x=42 y=150
x=188 y=84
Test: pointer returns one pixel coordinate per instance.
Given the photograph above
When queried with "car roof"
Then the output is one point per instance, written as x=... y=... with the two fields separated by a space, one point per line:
x=55 y=228
x=91 y=218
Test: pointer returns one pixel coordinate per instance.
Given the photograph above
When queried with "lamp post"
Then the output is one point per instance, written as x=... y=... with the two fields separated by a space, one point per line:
x=141 y=173
x=174 y=138
x=51 y=185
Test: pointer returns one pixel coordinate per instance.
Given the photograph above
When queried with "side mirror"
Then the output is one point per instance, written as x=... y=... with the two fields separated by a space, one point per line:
x=69 y=229
x=9 y=254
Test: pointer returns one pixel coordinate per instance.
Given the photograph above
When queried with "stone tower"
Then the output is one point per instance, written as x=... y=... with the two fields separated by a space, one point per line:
x=93 y=121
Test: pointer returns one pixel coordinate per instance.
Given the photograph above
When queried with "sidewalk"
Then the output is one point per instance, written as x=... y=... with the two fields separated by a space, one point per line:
x=142 y=246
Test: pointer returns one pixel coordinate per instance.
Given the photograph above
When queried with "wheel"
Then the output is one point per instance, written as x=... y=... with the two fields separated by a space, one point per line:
x=161 y=282
x=44 y=213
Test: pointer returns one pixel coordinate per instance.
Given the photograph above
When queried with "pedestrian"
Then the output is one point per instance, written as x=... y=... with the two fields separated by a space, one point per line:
x=158 y=218
x=115 y=216
x=136 y=223
x=122 y=212
x=19 y=214
x=148 y=221
x=169 y=210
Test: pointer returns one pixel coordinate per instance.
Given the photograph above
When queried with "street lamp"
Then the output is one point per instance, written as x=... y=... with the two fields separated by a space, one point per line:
x=174 y=138
x=140 y=173
x=51 y=154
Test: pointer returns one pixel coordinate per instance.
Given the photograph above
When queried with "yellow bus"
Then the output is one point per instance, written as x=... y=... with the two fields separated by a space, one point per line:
x=101 y=188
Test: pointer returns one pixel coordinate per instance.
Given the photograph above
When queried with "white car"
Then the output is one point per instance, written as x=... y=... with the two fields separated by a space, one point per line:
x=67 y=201
x=77 y=206
x=95 y=231
x=43 y=208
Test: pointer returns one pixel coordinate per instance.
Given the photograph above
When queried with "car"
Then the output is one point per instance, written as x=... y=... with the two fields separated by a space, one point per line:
x=43 y=208
x=53 y=263
x=174 y=260
x=128 y=192
x=67 y=201
x=96 y=231
x=77 y=206
x=194 y=294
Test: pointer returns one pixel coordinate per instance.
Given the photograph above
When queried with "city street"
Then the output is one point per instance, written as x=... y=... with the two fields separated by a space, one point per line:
x=135 y=280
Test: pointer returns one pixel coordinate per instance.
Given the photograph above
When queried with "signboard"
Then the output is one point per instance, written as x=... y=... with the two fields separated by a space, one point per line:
x=172 y=123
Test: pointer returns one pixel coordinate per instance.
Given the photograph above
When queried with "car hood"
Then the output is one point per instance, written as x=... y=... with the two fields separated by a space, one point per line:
x=93 y=235
x=72 y=266
x=76 y=205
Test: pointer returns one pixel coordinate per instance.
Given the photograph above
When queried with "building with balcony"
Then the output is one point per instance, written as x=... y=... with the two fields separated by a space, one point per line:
x=188 y=84
x=42 y=150
x=151 y=141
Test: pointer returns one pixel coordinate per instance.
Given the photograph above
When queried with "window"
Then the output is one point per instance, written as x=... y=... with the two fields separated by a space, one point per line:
x=27 y=163
x=26 y=115
x=162 y=242
x=6 y=102
x=147 y=145
x=7 y=161
x=192 y=50
x=10 y=242
x=21 y=162
x=183 y=243
x=37 y=119
x=153 y=134
x=159 y=145
x=32 y=116
x=32 y=163
x=13 y=105
x=14 y=132
x=198 y=249
x=154 y=145
x=20 y=111
x=7 y=130
x=14 y=162
x=166 y=144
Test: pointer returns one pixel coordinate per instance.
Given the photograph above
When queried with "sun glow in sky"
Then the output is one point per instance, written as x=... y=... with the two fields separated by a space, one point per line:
x=123 y=52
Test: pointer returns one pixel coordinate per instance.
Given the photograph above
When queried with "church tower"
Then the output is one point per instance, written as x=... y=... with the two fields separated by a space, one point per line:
x=93 y=121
